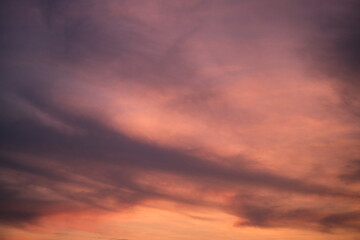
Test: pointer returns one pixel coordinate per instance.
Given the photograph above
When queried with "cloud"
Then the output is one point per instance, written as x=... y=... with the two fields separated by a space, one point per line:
x=349 y=220
x=225 y=66
x=352 y=174
x=19 y=210
x=269 y=212
x=100 y=142
x=336 y=51
x=107 y=165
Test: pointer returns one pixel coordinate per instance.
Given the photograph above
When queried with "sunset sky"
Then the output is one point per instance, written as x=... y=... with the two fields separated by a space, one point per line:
x=180 y=120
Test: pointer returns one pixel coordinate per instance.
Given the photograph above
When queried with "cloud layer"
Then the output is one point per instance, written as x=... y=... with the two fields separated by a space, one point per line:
x=240 y=109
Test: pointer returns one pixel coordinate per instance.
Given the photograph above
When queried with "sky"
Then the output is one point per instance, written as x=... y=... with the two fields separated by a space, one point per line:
x=180 y=119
